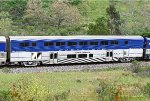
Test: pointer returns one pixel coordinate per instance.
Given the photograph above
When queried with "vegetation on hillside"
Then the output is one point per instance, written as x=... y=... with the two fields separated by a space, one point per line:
x=74 y=17
x=110 y=84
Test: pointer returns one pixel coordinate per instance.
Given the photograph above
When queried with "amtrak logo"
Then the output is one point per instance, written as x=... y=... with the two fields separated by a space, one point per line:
x=36 y=56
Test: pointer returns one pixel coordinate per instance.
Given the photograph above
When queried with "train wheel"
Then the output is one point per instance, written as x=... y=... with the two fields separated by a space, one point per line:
x=123 y=60
x=30 y=63
x=126 y=59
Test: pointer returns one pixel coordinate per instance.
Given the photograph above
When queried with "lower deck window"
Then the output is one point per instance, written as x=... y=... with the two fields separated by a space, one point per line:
x=71 y=56
x=82 y=56
x=90 y=55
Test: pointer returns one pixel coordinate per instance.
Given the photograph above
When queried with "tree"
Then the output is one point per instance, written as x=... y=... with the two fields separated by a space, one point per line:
x=99 y=28
x=114 y=21
x=5 y=23
x=34 y=13
x=62 y=15
x=136 y=17
x=35 y=17
x=74 y=2
x=146 y=32
x=15 y=8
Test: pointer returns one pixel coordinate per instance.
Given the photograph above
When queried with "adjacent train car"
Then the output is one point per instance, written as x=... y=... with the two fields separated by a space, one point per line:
x=147 y=48
x=34 y=50
x=3 y=53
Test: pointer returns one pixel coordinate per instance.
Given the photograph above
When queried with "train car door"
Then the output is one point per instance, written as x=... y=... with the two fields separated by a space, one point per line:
x=109 y=55
x=53 y=58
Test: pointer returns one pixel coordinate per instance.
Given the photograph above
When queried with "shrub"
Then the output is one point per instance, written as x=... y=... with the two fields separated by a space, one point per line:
x=147 y=89
x=106 y=91
x=61 y=97
x=4 y=95
x=28 y=90
x=78 y=81
x=135 y=66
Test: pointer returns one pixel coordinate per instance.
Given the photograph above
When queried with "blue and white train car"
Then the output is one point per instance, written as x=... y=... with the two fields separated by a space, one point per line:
x=2 y=50
x=32 y=50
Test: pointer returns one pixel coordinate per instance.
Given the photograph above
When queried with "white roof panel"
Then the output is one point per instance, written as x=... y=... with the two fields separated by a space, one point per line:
x=72 y=37
x=2 y=39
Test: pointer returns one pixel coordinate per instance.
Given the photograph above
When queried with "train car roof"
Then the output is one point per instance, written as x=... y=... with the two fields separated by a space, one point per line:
x=72 y=37
x=2 y=39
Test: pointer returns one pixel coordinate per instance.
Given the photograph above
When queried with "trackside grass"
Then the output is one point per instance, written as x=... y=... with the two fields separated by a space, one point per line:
x=104 y=85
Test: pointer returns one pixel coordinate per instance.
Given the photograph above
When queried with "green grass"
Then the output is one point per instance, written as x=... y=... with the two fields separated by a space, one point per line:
x=82 y=85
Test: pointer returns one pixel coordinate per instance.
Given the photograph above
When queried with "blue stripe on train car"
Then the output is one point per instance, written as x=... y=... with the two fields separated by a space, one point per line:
x=2 y=47
x=132 y=43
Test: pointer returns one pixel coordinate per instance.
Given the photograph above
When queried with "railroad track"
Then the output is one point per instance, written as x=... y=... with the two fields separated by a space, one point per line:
x=70 y=67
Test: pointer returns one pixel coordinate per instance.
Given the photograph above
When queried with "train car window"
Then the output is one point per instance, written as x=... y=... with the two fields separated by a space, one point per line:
x=48 y=43
x=24 y=44
x=72 y=43
x=104 y=42
x=71 y=56
x=60 y=43
x=51 y=56
x=74 y=56
x=55 y=56
x=33 y=43
x=114 y=42
x=93 y=43
x=83 y=43
x=107 y=55
x=90 y=55
x=82 y=56
x=126 y=42
x=111 y=54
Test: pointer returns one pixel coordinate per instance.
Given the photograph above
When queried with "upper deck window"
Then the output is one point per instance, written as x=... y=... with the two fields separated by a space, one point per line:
x=83 y=43
x=48 y=43
x=93 y=43
x=114 y=42
x=126 y=42
x=104 y=43
x=60 y=43
x=72 y=43
x=24 y=44
x=33 y=43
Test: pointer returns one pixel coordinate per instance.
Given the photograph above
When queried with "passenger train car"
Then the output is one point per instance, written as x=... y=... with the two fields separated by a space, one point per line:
x=35 y=50
x=2 y=50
